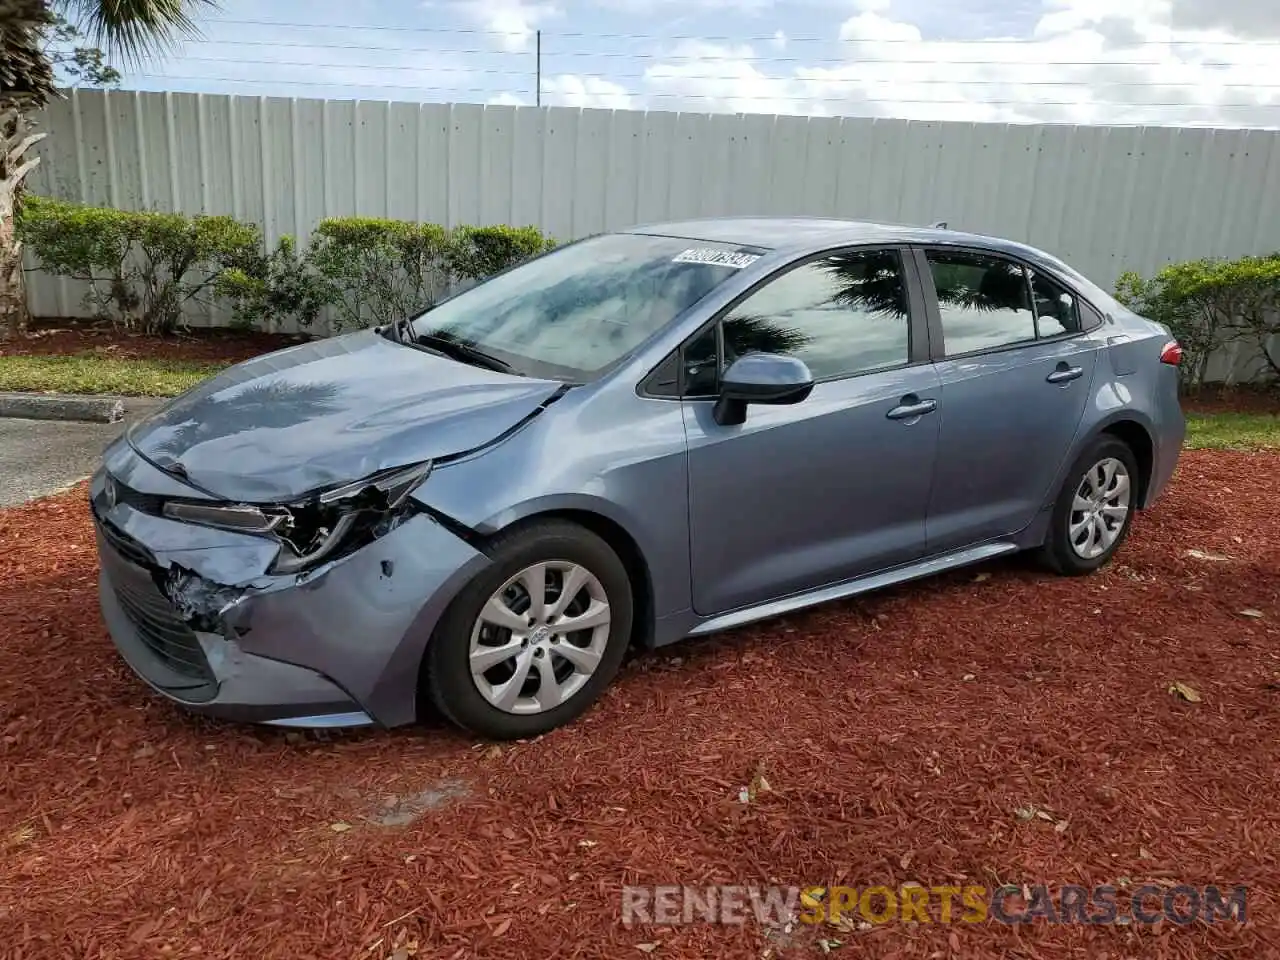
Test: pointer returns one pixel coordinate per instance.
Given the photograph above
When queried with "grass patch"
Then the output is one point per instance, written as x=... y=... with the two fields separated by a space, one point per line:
x=93 y=373
x=1233 y=431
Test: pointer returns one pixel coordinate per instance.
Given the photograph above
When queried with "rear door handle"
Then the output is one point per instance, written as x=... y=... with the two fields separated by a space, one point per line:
x=912 y=407
x=1065 y=374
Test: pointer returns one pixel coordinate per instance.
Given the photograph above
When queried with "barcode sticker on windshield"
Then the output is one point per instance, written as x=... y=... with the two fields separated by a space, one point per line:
x=719 y=258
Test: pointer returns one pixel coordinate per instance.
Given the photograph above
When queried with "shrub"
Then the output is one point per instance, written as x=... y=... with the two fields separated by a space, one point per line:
x=376 y=271
x=275 y=288
x=142 y=268
x=1252 y=287
x=1208 y=304
x=479 y=252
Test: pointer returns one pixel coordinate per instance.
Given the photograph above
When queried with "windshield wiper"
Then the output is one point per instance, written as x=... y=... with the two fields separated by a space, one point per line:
x=458 y=350
x=399 y=331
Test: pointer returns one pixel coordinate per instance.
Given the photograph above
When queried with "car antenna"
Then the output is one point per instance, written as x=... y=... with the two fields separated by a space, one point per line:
x=940 y=225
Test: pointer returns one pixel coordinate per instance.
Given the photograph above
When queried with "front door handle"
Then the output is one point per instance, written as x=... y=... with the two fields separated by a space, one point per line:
x=912 y=407
x=1064 y=374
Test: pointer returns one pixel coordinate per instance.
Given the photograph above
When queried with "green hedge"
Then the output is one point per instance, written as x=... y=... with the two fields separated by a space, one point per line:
x=1208 y=304
x=144 y=267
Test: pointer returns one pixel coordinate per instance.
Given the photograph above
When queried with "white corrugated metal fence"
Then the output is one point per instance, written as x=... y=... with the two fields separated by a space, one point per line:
x=1105 y=199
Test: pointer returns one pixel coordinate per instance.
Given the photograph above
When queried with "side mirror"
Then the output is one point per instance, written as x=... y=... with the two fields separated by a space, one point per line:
x=771 y=378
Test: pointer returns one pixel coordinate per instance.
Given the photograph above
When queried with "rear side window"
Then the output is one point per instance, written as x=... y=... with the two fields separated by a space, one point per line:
x=984 y=302
x=1057 y=310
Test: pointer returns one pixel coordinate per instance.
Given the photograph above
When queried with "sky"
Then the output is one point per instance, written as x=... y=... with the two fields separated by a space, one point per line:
x=1177 y=62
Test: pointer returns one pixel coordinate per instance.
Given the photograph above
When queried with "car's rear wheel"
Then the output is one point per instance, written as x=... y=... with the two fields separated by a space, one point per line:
x=1094 y=510
x=532 y=642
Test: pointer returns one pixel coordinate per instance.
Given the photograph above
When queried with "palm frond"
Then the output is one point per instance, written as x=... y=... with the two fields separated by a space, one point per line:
x=964 y=298
x=751 y=333
x=872 y=284
x=270 y=404
x=131 y=30
x=25 y=71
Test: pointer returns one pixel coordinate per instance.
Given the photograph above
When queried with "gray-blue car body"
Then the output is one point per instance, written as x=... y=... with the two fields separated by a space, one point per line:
x=350 y=531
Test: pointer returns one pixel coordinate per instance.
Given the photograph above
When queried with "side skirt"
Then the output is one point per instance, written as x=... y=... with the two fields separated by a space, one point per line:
x=850 y=588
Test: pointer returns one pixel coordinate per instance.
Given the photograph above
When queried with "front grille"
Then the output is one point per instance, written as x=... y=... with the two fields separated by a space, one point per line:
x=153 y=617
x=158 y=626
x=125 y=545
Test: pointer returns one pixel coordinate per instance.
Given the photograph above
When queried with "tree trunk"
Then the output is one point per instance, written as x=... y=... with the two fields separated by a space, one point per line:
x=15 y=164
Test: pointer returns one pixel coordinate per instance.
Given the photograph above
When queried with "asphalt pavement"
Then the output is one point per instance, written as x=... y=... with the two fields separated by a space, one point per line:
x=40 y=457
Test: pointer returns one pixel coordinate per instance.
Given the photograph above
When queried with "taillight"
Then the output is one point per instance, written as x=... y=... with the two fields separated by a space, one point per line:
x=1172 y=353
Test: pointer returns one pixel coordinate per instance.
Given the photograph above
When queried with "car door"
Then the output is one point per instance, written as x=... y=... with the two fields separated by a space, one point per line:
x=834 y=486
x=1015 y=367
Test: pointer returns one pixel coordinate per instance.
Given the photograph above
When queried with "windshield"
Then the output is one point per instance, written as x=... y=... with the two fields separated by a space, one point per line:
x=577 y=311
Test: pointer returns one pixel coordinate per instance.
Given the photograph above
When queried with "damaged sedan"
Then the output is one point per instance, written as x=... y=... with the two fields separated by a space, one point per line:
x=635 y=438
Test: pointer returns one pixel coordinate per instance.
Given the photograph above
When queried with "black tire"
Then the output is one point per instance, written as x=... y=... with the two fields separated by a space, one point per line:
x=447 y=673
x=1057 y=552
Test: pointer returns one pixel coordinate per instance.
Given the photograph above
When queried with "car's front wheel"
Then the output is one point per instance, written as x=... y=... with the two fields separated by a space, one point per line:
x=532 y=642
x=1094 y=509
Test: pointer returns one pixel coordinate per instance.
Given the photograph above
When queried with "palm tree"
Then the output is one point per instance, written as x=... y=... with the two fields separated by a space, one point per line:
x=129 y=29
x=752 y=333
x=873 y=283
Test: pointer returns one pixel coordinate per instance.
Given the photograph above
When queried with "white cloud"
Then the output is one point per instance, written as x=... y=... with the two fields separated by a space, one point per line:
x=570 y=90
x=1251 y=18
x=662 y=8
x=508 y=99
x=513 y=22
x=1088 y=61
x=875 y=26
x=1077 y=61
x=707 y=76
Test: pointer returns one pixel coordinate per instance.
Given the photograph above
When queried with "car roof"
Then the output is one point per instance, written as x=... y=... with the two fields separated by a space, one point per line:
x=803 y=234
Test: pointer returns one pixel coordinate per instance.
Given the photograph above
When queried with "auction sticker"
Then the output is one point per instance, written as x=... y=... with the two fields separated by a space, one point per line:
x=719 y=258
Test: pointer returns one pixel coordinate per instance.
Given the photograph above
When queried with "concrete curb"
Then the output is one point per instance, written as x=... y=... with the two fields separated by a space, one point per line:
x=61 y=406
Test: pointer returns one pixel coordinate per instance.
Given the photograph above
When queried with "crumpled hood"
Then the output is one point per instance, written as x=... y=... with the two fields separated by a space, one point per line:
x=329 y=412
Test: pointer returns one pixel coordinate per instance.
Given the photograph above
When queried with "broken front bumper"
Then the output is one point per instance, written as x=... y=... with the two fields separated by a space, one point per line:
x=194 y=613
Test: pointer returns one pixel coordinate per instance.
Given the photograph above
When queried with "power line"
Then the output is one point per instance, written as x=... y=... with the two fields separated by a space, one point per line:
x=709 y=76
x=836 y=60
x=732 y=97
x=691 y=58
x=714 y=39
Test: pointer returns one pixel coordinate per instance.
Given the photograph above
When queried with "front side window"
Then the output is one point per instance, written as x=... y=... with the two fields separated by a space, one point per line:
x=577 y=311
x=984 y=301
x=842 y=315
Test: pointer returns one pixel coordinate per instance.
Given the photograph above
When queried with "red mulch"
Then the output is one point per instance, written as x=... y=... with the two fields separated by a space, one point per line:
x=1260 y=399
x=76 y=336
x=128 y=829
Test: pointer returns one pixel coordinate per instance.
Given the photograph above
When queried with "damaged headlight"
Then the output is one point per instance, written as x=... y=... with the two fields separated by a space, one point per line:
x=226 y=516
x=322 y=526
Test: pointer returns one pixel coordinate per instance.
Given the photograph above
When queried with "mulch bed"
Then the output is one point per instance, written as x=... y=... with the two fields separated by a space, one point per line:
x=900 y=735
x=51 y=337
x=1260 y=399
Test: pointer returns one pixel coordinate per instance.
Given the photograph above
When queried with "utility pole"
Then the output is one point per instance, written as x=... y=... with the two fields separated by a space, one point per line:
x=538 y=57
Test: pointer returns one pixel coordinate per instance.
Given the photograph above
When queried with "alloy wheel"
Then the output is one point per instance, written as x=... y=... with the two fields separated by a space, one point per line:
x=1099 y=508
x=540 y=637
